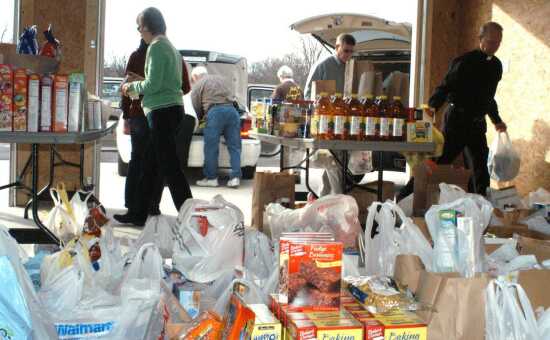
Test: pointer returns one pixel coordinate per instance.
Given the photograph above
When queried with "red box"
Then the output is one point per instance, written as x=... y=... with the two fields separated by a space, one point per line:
x=373 y=329
x=20 y=99
x=302 y=330
x=6 y=98
x=315 y=275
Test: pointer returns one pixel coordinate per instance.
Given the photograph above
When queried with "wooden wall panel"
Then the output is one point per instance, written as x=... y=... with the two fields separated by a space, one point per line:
x=75 y=24
x=522 y=94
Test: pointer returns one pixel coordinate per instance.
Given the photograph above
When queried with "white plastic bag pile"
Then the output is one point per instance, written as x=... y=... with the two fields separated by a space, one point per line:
x=503 y=162
x=209 y=239
x=509 y=314
x=337 y=214
x=388 y=233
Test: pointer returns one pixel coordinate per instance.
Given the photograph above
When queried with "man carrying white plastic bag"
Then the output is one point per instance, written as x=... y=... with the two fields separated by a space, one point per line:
x=503 y=162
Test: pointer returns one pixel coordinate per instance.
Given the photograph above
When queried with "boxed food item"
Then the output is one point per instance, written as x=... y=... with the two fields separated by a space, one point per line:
x=20 y=100
x=46 y=84
x=6 y=97
x=314 y=275
x=33 y=110
x=338 y=329
x=239 y=320
x=266 y=326
x=373 y=329
x=403 y=325
x=61 y=96
x=77 y=98
x=301 y=330
x=420 y=132
x=209 y=326
x=378 y=294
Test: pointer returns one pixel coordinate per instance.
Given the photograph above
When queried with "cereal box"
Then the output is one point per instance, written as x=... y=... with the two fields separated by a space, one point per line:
x=46 y=103
x=20 y=100
x=61 y=91
x=333 y=329
x=33 y=110
x=6 y=97
x=77 y=96
x=314 y=275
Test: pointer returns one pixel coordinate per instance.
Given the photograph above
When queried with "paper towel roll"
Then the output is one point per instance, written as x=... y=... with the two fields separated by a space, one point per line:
x=366 y=83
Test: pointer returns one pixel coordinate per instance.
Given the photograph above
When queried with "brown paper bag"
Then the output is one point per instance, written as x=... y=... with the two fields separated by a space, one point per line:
x=531 y=246
x=407 y=271
x=365 y=198
x=270 y=187
x=532 y=282
x=455 y=305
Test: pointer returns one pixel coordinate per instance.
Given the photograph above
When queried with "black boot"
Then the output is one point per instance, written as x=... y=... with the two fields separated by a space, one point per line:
x=129 y=218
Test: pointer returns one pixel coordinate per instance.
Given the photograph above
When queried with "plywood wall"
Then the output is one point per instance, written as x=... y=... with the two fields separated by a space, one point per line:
x=522 y=94
x=75 y=24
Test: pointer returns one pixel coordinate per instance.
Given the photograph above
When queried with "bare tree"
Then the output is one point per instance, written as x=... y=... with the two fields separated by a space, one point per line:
x=116 y=66
x=310 y=50
x=3 y=33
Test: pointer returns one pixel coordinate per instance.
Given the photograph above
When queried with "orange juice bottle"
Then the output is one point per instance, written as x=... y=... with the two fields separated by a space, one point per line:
x=372 y=122
x=356 y=121
x=340 y=117
x=384 y=116
x=398 y=115
x=321 y=117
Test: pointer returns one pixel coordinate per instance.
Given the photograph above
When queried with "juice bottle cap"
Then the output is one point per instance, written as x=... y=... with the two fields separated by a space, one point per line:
x=383 y=97
x=369 y=96
x=338 y=94
x=323 y=94
x=396 y=97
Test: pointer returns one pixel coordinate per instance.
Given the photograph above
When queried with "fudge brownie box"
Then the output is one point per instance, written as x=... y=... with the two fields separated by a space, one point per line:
x=20 y=99
x=301 y=330
x=6 y=97
x=349 y=329
x=315 y=275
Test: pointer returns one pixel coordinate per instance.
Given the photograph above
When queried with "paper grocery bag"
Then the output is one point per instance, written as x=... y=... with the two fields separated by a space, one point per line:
x=532 y=282
x=454 y=307
x=531 y=246
x=407 y=271
x=270 y=187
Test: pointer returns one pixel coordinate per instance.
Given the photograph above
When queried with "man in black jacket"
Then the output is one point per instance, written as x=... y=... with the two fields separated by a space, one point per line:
x=469 y=87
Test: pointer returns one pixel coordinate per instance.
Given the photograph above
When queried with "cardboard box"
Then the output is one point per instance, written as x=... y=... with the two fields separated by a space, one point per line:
x=519 y=229
x=404 y=325
x=532 y=282
x=373 y=329
x=511 y=217
x=35 y=63
x=46 y=100
x=318 y=86
x=531 y=246
x=301 y=330
x=6 y=97
x=420 y=132
x=349 y=329
x=426 y=184
x=266 y=326
x=354 y=70
x=33 y=112
x=20 y=100
x=61 y=103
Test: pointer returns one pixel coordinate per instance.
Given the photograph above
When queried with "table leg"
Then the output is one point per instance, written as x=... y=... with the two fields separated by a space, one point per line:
x=307 y=175
x=47 y=187
x=380 y=182
x=35 y=217
x=281 y=158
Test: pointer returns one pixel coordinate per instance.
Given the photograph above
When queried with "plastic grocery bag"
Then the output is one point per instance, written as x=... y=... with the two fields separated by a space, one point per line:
x=21 y=314
x=252 y=295
x=80 y=206
x=259 y=258
x=60 y=221
x=160 y=230
x=458 y=245
x=210 y=239
x=508 y=316
x=360 y=162
x=388 y=233
x=450 y=192
x=503 y=161
x=337 y=214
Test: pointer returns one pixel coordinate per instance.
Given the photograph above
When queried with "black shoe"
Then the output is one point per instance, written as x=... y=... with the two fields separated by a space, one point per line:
x=130 y=219
x=155 y=211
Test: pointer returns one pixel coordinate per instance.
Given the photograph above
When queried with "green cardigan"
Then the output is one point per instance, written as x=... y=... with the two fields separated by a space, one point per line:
x=162 y=84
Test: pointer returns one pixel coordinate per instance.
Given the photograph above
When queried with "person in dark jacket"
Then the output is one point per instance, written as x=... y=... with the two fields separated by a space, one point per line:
x=287 y=89
x=469 y=87
x=157 y=156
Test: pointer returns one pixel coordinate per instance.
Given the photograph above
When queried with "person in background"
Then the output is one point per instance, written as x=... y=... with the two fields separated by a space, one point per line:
x=163 y=104
x=287 y=89
x=214 y=102
x=332 y=67
x=469 y=87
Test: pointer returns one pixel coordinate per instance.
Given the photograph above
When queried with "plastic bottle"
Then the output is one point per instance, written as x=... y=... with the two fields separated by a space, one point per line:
x=356 y=118
x=398 y=115
x=372 y=123
x=340 y=118
x=322 y=114
x=384 y=116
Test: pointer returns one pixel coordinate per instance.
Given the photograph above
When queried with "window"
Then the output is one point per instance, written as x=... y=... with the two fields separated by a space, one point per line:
x=8 y=20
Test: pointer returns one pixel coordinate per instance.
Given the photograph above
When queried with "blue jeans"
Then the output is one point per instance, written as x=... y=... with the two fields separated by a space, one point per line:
x=222 y=120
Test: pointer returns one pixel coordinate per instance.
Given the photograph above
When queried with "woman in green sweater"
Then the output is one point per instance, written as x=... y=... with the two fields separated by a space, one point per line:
x=163 y=104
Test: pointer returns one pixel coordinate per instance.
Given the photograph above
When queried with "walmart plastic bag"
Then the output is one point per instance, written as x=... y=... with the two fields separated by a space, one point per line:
x=458 y=246
x=507 y=316
x=210 y=239
x=22 y=316
x=60 y=221
x=503 y=161
x=259 y=258
x=337 y=214
x=388 y=233
x=160 y=230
